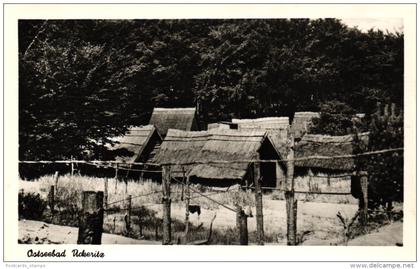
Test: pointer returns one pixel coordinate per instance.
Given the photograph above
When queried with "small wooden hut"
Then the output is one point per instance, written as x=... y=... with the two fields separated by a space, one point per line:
x=329 y=146
x=236 y=145
x=196 y=150
x=184 y=119
x=338 y=172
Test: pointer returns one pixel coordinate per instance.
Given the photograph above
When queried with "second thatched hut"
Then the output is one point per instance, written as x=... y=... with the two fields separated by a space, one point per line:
x=198 y=155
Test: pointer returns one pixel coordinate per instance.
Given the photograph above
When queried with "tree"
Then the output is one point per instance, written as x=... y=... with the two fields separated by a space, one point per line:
x=335 y=119
x=385 y=171
x=72 y=92
x=84 y=81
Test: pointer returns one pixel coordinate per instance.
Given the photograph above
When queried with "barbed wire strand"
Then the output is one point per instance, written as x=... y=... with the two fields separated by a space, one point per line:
x=134 y=197
x=205 y=196
x=314 y=157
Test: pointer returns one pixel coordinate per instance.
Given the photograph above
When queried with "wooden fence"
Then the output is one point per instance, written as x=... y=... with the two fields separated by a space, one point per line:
x=95 y=204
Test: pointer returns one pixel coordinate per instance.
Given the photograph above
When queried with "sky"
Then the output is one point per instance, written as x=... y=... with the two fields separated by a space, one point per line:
x=364 y=24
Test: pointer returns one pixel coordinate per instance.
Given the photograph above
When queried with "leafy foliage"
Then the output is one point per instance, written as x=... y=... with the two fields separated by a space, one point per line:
x=31 y=206
x=385 y=171
x=386 y=176
x=83 y=81
x=335 y=119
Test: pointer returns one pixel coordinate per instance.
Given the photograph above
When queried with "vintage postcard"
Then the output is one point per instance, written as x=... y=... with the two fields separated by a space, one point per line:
x=209 y=132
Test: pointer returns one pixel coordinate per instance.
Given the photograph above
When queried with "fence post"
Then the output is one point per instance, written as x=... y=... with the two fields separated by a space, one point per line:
x=56 y=180
x=91 y=218
x=242 y=225
x=126 y=185
x=238 y=219
x=116 y=177
x=291 y=203
x=72 y=166
x=363 y=201
x=258 y=204
x=106 y=193
x=51 y=200
x=166 y=188
x=128 y=215
x=156 y=231
x=187 y=208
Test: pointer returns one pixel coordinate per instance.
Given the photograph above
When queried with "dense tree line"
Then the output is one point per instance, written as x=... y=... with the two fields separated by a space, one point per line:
x=84 y=81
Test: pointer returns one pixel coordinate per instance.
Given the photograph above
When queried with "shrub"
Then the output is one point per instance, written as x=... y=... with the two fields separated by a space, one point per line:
x=31 y=206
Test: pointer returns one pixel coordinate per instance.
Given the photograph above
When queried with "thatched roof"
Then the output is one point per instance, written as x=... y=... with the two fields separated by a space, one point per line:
x=263 y=123
x=134 y=142
x=214 y=145
x=173 y=118
x=180 y=147
x=229 y=145
x=302 y=122
x=325 y=145
x=219 y=125
x=276 y=128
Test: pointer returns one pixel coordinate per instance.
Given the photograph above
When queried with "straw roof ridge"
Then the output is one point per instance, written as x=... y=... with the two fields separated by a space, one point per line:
x=319 y=138
x=173 y=118
x=263 y=119
x=176 y=109
x=263 y=123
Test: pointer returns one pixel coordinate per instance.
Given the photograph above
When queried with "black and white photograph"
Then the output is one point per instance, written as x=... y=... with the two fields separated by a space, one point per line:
x=214 y=131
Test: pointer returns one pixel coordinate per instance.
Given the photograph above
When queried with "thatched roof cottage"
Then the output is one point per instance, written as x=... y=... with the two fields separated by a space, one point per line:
x=237 y=145
x=330 y=146
x=337 y=173
x=221 y=145
x=174 y=118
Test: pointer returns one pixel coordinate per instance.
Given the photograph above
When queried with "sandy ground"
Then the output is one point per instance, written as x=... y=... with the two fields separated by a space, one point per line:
x=41 y=232
x=37 y=232
x=389 y=235
x=317 y=223
x=317 y=220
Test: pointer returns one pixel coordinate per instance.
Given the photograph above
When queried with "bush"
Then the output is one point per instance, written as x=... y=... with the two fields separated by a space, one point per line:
x=31 y=206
